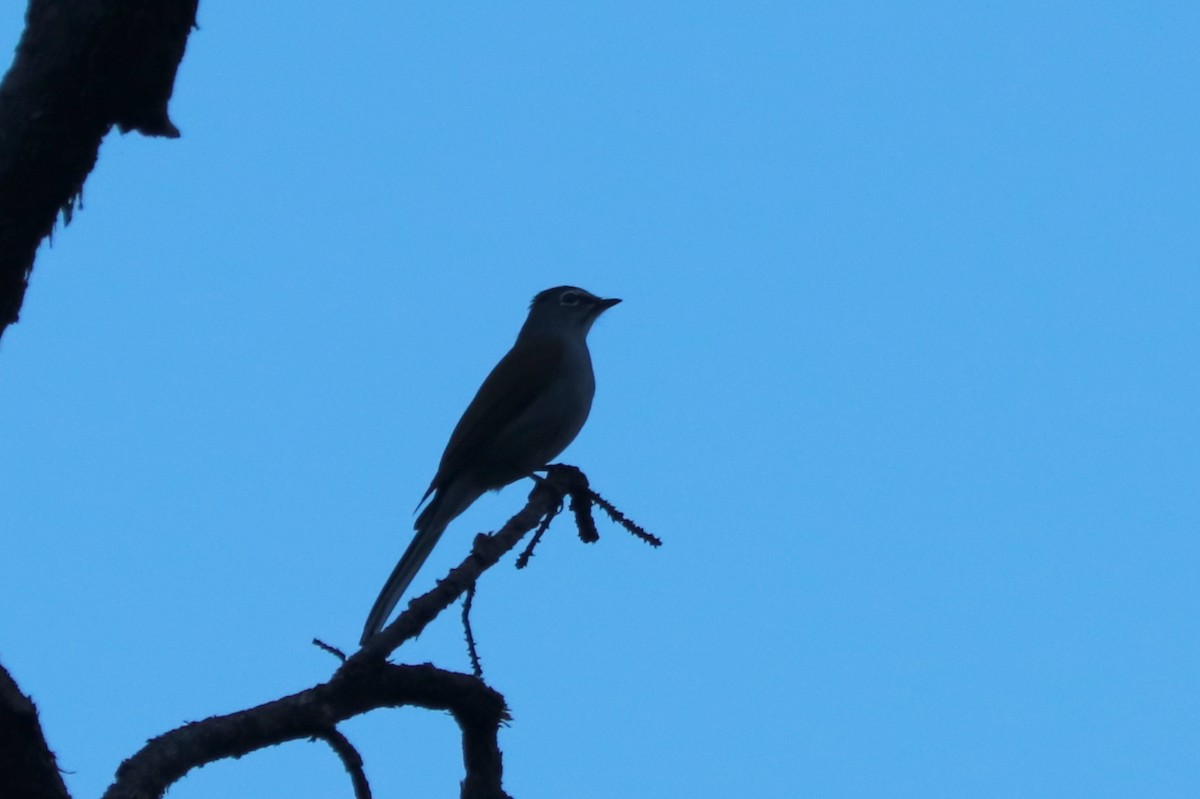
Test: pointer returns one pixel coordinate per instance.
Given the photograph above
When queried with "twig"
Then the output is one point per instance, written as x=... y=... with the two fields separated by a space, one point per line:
x=581 y=507
x=468 y=600
x=333 y=650
x=527 y=553
x=350 y=758
x=485 y=553
x=625 y=522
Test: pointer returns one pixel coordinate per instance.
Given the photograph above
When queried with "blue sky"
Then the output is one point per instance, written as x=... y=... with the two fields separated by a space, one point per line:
x=905 y=377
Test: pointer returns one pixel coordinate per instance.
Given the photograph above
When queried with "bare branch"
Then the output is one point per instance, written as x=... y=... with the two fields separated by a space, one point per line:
x=527 y=553
x=364 y=682
x=351 y=759
x=27 y=766
x=472 y=652
x=581 y=508
x=80 y=68
x=620 y=518
x=356 y=688
x=333 y=650
x=546 y=496
x=367 y=681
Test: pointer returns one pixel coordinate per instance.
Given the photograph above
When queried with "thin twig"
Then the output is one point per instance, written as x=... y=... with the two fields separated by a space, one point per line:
x=527 y=553
x=581 y=507
x=625 y=522
x=468 y=600
x=350 y=758
x=486 y=552
x=333 y=650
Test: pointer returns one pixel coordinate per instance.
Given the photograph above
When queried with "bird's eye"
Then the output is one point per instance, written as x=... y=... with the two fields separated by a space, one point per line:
x=569 y=298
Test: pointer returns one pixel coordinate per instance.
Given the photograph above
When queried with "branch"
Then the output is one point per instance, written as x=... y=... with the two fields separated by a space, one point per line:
x=353 y=690
x=351 y=759
x=544 y=500
x=472 y=652
x=27 y=766
x=366 y=681
x=80 y=68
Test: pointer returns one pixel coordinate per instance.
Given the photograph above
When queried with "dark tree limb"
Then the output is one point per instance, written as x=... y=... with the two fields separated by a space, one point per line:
x=472 y=651
x=365 y=681
x=351 y=759
x=27 y=766
x=544 y=500
x=312 y=713
x=80 y=68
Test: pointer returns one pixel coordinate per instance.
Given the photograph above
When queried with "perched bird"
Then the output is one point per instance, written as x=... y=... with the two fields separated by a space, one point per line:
x=527 y=411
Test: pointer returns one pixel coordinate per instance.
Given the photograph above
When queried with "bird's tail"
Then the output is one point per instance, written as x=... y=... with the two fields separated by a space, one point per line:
x=430 y=524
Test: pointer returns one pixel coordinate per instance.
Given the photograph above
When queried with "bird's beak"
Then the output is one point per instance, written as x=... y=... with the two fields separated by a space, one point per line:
x=604 y=305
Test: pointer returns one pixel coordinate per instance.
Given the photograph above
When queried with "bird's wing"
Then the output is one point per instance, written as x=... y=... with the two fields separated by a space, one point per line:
x=522 y=375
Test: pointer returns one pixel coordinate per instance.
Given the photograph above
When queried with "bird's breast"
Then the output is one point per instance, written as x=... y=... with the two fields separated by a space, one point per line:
x=547 y=425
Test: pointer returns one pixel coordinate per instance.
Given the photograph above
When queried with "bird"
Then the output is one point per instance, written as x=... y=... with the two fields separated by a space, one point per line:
x=528 y=410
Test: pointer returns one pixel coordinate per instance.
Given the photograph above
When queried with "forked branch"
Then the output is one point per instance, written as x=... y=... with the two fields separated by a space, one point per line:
x=366 y=681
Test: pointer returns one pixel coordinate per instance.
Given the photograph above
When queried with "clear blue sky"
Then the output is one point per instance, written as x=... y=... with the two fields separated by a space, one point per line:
x=905 y=376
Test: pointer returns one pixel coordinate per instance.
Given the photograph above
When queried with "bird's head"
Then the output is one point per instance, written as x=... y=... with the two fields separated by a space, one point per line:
x=565 y=308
